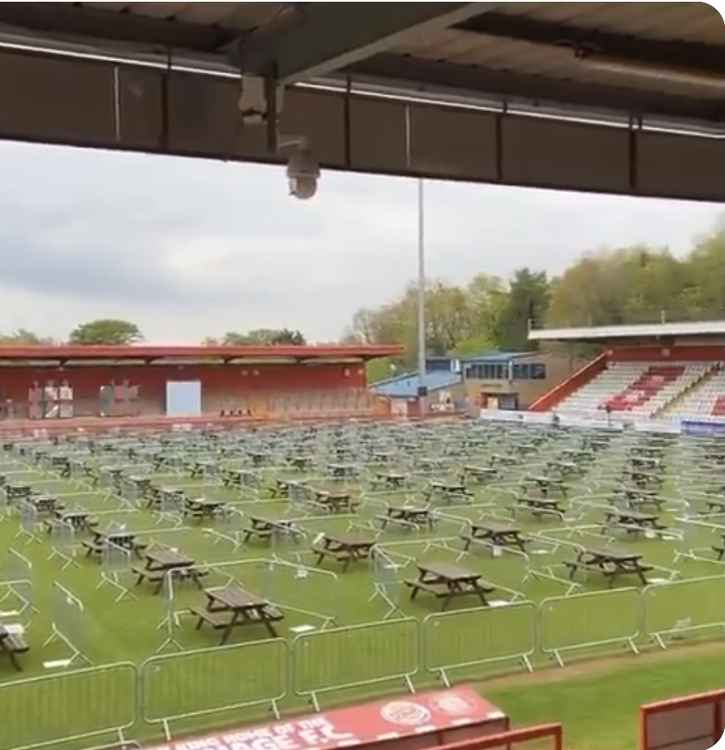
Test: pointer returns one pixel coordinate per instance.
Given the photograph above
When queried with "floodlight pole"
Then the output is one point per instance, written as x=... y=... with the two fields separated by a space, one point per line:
x=421 y=294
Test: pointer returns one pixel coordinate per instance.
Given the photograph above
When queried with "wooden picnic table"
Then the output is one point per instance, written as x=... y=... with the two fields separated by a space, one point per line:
x=200 y=466
x=62 y=463
x=447 y=581
x=201 y=507
x=17 y=490
x=258 y=457
x=446 y=489
x=480 y=473
x=170 y=496
x=392 y=478
x=638 y=498
x=301 y=462
x=120 y=538
x=540 y=505
x=45 y=503
x=142 y=484
x=633 y=520
x=232 y=606
x=610 y=562
x=336 y=501
x=494 y=532
x=340 y=470
x=79 y=519
x=344 y=548
x=409 y=515
x=263 y=528
x=505 y=459
x=546 y=484
x=162 y=560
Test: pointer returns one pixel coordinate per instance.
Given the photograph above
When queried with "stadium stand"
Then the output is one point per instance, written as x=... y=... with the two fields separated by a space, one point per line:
x=641 y=388
x=667 y=372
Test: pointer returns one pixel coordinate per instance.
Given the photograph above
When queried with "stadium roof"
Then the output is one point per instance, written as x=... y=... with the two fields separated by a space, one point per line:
x=406 y=386
x=613 y=97
x=495 y=357
x=603 y=333
x=200 y=354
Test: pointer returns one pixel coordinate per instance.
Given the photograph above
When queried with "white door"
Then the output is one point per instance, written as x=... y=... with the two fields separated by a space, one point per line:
x=183 y=398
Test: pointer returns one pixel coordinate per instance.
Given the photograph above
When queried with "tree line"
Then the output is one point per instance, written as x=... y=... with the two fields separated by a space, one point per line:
x=635 y=284
x=623 y=285
x=111 y=331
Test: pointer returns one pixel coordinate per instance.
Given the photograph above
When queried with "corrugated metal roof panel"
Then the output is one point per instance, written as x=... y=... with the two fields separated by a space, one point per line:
x=711 y=328
x=406 y=386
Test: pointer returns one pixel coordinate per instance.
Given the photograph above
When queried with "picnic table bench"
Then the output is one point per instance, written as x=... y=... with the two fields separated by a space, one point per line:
x=479 y=473
x=407 y=515
x=344 y=548
x=495 y=533
x=201 y=507
x=170 y=497
x=121 y=538
x=447 y=490
x=160 y=561
x=200 y=466
x=259 y=458
x=17 y=490
x=231 y=606
x=263 y=528
x=300 y=462
x=539 y=506
x=610 y=563
x=633 y=521
x=45 y=503
x=394 y=479
x=336 y=501
x=80 y=520
x=547 y=484
x=342 y=471
x=62 y=465
x=13 y=643
x=447 y=581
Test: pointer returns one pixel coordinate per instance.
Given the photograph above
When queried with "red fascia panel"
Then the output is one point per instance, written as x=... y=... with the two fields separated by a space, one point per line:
x=198 y=352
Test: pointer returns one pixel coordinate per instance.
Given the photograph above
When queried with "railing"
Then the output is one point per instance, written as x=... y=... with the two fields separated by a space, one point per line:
x=673 y=609
x=695 y=721
x=586 y=621
x=194 y=683
x=59 y=708
x=453 y=640
x=353 y=656
x=511 y=740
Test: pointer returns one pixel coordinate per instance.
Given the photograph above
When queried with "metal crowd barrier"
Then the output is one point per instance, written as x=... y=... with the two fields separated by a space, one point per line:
x=194 y=683
x=672 y=609
x=453 y=640
x=68 y=706
x=355 y=655
x=585 y=621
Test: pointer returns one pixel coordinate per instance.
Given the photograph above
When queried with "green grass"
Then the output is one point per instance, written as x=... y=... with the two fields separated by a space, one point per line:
x=600 y=711
x=128 y=630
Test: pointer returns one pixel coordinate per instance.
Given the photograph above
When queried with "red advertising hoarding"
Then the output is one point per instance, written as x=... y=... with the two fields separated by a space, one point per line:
x=413 y=721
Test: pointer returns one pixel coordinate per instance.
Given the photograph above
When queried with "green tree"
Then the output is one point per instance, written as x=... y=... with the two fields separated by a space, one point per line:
x=23 y=337
x=263 y=336
x=528 y=300
x=105 y=331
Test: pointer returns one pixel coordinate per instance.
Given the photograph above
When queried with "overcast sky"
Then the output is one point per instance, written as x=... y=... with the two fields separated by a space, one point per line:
x=188 y=248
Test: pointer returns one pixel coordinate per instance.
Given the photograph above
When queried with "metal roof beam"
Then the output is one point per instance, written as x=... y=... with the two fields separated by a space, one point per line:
x=312 y=39
x=452 y=78
x=77 y=21
x=710 y=58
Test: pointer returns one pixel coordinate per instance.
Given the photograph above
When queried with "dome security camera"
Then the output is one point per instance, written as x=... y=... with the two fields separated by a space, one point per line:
x=303 y=171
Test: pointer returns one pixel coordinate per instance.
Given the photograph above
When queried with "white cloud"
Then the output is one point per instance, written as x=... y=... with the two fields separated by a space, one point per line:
x=188 y=248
